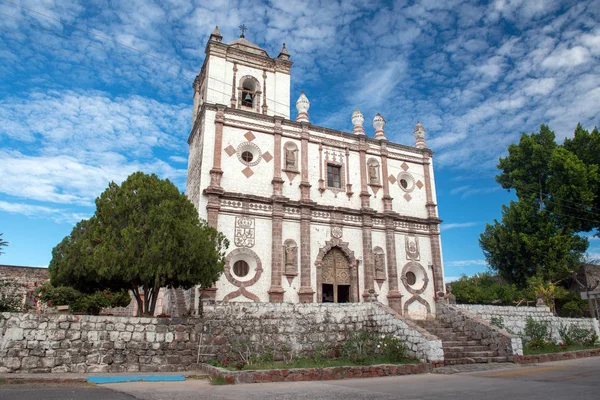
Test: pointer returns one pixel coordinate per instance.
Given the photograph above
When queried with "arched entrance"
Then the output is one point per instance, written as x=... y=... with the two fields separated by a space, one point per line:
x=337 y=273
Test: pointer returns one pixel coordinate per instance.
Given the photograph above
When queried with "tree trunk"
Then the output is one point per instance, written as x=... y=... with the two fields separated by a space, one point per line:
x=155 y=292
x=138 y=299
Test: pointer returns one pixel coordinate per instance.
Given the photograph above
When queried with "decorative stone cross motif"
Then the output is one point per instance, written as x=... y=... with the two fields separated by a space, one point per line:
x=243 y=28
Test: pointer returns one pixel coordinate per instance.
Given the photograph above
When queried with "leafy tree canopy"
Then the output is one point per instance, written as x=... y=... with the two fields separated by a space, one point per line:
x=558 y=189
x=144 y=235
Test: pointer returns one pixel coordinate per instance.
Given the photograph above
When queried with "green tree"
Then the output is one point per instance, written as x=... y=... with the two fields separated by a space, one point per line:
x=528 y=243
x=144 y=235
x=586 y=146
x=556 y=191
x=3 y=243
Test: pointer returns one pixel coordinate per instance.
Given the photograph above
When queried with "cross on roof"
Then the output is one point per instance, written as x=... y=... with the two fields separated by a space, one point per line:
x=243 y=28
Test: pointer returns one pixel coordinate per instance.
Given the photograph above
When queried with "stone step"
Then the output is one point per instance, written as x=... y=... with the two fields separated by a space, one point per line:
x=470 y=354
x=475 y=360
x=453 y=349
x=457 y=343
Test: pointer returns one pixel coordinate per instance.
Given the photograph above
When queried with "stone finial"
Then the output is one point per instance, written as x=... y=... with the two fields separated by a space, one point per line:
x=378 y=124
x=302 y=105
x=216 y=35
x=357 y=121
x=283 y=54
x=419 y=136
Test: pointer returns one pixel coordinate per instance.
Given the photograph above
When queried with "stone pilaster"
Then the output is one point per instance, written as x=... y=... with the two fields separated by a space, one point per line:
x=264 y=105
x=365 y=202
x=367 y=239
x=434 y=235
x=276 y=291
x=233 y=100
x=394 y=296
x=387 y=200
x=216 y=172
x=304 y=184
x=306 y=293
x=277 y=180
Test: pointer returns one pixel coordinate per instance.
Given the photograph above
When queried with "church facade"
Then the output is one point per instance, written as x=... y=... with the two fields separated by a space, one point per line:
x=312 y=214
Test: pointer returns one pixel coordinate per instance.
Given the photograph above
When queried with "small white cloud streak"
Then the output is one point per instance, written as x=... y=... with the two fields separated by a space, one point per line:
x=446 y=227
x=465 y=263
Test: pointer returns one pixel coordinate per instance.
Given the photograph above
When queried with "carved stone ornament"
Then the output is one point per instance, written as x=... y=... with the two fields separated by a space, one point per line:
x=336 y=232
x=290 y=259
x=412 y=248
x=244 y=232
x=379 y=263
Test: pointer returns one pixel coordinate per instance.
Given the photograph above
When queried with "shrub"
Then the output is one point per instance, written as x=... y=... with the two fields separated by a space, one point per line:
x=91 y=303
x=393 y=348
x=536 y=331
x=572 y=335
x=11 y=297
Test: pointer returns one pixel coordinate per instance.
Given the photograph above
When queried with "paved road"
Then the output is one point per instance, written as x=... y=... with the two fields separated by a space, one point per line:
x=576 y=379
x=71 y=391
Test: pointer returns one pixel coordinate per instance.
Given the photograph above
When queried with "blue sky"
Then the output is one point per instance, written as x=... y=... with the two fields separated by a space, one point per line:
x=78 y=110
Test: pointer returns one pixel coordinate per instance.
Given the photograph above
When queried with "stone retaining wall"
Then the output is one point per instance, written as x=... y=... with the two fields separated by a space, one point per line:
x=72 y=343
x=313 y=374
x=300 y=329
x=566 y=355
x=479 y=329
x=515 y=318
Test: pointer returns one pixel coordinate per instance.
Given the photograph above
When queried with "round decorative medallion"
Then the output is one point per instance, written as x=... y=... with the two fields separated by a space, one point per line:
x=414 y=278
x=337 y=232
x=249 y=154
x=406 y=181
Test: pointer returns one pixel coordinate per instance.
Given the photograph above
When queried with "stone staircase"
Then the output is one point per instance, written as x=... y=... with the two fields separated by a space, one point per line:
x=459 y=348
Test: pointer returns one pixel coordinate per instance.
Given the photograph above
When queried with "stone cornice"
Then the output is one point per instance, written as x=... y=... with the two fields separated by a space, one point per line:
x=398 y=219
x=242 y=57
x=344 y=139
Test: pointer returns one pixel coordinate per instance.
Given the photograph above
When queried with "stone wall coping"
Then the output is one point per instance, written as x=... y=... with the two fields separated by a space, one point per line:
x=542 y=309
x=481 y=321
x=548 y=357
x=315 y=374
x=411 y=324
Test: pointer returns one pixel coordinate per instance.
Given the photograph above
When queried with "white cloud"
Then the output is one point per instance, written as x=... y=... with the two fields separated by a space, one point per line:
x=563 y=57
x=57 y=214
x=446 y=227
x=465 y=263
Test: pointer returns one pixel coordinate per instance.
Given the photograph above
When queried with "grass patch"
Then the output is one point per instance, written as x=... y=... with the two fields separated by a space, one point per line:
x=555 y=348
x=218 y=380
x=304 y=362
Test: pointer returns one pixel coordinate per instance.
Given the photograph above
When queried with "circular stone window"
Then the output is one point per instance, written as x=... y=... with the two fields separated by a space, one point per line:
x=406 y=181
x=411 y=278
x=241 y=268
x=249 y=154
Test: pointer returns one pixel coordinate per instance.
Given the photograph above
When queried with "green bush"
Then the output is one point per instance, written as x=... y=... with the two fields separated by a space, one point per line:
x=536 y=331
x=11 y=297
x=91 y=303
x=485 y=288
x=572 y=335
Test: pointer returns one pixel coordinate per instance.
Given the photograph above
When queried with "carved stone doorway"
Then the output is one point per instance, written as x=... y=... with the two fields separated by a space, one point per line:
x=336 y=277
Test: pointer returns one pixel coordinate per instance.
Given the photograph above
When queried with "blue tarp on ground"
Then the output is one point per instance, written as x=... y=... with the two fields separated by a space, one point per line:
x=134 y=378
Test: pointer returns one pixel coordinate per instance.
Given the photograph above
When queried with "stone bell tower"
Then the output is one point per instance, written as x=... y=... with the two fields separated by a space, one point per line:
x=241 y=75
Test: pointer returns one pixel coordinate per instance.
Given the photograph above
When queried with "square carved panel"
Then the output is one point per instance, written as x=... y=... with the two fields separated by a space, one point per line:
x=249 y=136
x=267 y=156
x=392 y=179
x=248 y=172
x=229 y=150
x=404 y=166
x=407 y=197
x=419 y=184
